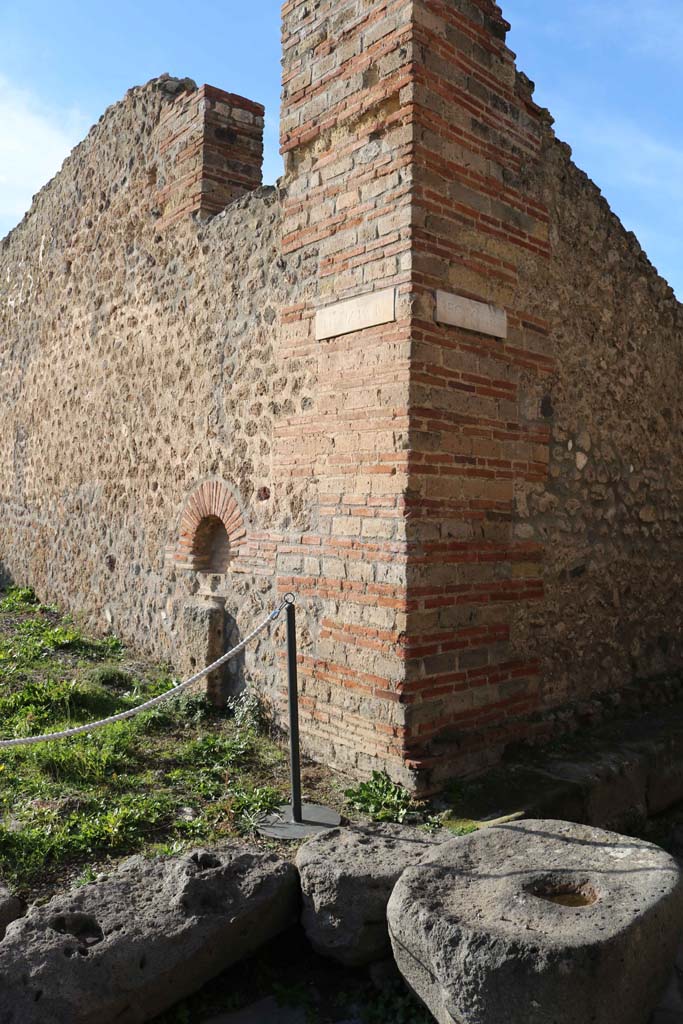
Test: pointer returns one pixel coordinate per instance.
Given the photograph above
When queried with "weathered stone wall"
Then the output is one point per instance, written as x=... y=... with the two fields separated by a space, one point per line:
x=138 y=361
x=522 y=579
x=609 y=512
x=429 y=383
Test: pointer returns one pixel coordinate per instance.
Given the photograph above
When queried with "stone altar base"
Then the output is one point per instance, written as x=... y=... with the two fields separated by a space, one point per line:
x=539 y=922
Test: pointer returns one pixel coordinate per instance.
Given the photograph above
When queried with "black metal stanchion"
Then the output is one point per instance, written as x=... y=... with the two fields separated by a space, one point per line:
x=296 y=820
x=293 y=684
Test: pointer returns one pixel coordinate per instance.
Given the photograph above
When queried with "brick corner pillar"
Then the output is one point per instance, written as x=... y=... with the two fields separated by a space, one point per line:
x=481 y=355
x=411 y=225
x=346 y=136
x=211 y=152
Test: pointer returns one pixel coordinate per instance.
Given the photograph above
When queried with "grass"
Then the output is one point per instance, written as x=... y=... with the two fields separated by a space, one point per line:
x=181 y=773
x=18 y=599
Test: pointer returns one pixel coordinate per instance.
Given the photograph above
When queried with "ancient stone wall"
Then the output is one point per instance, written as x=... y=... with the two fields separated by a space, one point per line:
x=429 y=383
x=138 y=362
x=608 y=514
x=524 y=551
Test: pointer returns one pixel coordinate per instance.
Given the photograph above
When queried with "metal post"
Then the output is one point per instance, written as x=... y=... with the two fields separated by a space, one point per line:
x=294 y=758
x=296 y=820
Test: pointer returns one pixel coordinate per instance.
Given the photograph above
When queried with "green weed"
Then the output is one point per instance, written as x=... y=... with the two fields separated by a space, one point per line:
x=218 y=753
x=124 y=788
x=45 y=702
x=249 y=804
x=48 y=836
x=94 y=758
x=183 y=712
x=247 y=711
x=380 y=798
x=87 y=876
x=432 y=824
x=110 y=677
x=19 y=599
x=37 y=639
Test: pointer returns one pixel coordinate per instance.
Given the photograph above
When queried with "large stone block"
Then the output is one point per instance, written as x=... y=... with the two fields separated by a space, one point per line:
x=346 y=878
x=204 y=643
x=128 y=947
x=539 y=922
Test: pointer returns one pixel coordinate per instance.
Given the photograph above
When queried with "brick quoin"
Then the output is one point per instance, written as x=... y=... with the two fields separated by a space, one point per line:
x=211 y=152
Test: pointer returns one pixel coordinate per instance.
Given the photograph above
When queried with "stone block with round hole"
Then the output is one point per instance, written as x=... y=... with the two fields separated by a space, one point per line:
x=126 y=948
x=539 y=922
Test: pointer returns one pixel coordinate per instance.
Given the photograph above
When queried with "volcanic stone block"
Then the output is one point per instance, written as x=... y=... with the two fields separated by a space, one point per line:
x=127 y=948
x=347 y=875
x=538 y=922
x=204 y=643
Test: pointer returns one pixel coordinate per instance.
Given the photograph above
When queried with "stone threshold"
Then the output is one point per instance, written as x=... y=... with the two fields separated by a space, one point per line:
x=614 y=777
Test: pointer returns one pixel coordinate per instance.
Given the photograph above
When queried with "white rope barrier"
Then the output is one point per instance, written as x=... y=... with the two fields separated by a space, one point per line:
x=79 y=730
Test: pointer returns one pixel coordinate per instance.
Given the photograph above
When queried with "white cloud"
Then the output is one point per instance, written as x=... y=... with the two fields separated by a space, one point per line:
x=651 y=28
x=621 y=151
x=34 y=140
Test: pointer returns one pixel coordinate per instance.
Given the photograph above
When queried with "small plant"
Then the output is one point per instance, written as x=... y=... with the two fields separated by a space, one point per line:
x=111 y=677
x=19 y=599
x=247 y=711
x=194 y=708
x=171 y=849
x=86 y=877
x=380 y=798
x=432 y=824
x=249 y=805
x=218 y=753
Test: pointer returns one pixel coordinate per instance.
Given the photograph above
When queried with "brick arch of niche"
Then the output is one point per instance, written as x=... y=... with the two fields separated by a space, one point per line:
x=211 y=529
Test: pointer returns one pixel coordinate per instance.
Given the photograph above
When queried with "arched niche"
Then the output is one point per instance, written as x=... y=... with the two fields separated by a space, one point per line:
x=211 y=530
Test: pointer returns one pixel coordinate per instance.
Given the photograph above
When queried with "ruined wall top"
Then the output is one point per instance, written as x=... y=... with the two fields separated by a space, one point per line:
x=193 y=150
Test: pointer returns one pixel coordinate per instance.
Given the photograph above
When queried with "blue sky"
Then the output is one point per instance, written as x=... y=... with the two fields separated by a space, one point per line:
x=609 y=71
